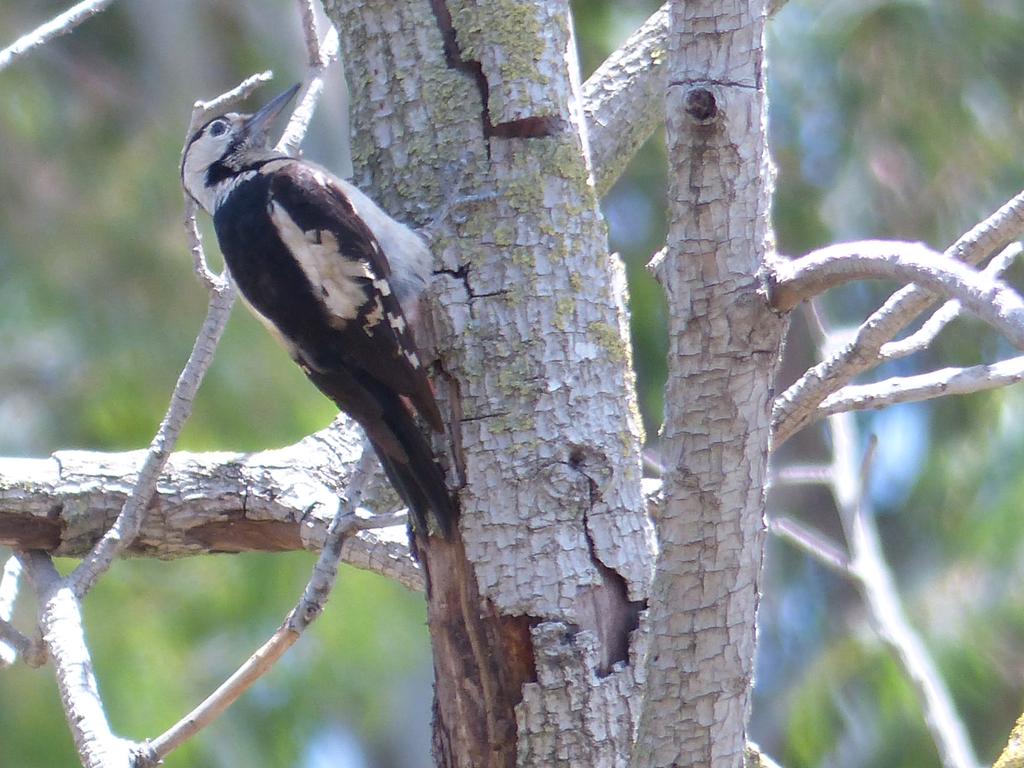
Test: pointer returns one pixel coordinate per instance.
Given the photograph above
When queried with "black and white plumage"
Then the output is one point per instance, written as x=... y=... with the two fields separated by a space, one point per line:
x=335 y=279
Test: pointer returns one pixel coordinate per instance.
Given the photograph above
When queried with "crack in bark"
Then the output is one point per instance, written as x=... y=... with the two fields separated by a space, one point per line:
x=617 y=616
x=532 y=127
x=471 y=67
x=462 y=274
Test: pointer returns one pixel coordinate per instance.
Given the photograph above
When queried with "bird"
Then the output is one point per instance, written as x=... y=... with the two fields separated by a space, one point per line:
x=336 y=280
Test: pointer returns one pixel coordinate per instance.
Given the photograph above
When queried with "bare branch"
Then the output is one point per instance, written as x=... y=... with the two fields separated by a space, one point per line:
x=945 y=314
x=803 y=474
x=57 y=26
x=204 y=109
x=814 y=543
x=624 y=100
x=873 y=578
x=277 y=500
x=320 y=55
x=200 y=266
x=790 y=282
x=222 y=297
x=60 y=618
x=307 y=610
x=795 y=407
x=925 y=386
x=753 y=757
x=12 y=642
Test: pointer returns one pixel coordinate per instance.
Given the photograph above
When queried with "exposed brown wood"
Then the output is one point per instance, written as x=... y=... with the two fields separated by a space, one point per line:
x=481 y=662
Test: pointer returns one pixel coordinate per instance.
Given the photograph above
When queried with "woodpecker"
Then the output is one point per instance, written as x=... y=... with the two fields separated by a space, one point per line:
x=336 y=280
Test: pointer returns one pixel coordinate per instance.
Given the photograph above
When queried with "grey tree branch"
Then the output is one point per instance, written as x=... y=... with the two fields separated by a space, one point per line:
x=624 y=100
x=44 y=33
x=276 y=500
x=129 y=521
x=865 y=565
x=814 y=543
x=60 y=618
x=12 y=642
x=945 y=314
x=795 y=407
x=222 y=297
x=793 y=281
x=925 y=386
x=872 y=576
x=320 y=55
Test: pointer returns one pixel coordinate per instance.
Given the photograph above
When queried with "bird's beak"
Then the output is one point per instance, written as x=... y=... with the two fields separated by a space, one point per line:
x=258 y=125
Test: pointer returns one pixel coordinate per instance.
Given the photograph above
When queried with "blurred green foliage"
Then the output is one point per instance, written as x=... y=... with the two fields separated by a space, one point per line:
x=888 y=119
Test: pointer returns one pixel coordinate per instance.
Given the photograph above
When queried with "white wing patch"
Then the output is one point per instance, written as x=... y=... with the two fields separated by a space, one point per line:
x=397 y=322
x=373 y=318
x=329 y=271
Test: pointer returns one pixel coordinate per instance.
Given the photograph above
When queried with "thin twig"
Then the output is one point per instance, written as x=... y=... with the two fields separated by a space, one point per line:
x=44 y=33
x=305 y=612
x=320 y=55
x=803 y=474
x=202 y=110
x=924 y=386
x=128 y=522
x=222 y=297
x=12 y=642
x=814 y=543
x=346 y=521
x=923 y=337
x=873 y=578
x=794 y=408
x=815 y=322
x=207 y=276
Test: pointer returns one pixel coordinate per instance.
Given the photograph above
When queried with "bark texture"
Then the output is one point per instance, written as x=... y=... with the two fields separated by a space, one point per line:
x=533 y=369
x=270 y=501
x=724 y=345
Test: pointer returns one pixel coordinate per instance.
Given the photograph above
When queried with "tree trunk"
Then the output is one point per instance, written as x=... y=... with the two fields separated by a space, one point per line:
x=723 y=353
x=532 y=605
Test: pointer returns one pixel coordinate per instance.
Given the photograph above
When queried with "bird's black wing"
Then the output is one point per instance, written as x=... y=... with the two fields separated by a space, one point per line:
x=315 y=273
x=372 y=334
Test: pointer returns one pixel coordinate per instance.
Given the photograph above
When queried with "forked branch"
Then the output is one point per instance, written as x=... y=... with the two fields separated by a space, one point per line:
x=795 y=408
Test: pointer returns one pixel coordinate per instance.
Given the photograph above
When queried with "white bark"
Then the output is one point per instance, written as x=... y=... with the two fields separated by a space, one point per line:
x=624 y=100
x=724 y=345
x=534 y=358
x=213 y=502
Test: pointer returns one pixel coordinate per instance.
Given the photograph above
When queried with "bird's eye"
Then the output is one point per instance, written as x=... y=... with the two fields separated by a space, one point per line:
x=218 y=127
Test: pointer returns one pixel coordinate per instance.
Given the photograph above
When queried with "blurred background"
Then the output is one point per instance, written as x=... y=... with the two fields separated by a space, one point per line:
x=888 y=119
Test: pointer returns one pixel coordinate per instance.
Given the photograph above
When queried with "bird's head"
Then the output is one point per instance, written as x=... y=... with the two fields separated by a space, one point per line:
x=225 y=148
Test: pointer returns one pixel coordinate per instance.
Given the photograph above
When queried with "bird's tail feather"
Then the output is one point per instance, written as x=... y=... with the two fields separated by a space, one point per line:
x=417 y=476
x=397 y=439
x=422 y=488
